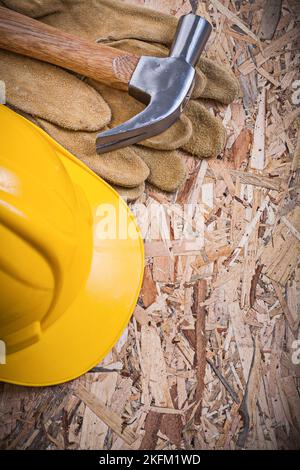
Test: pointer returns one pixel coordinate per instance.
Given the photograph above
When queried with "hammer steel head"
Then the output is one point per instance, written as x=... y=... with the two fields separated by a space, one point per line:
x=164 y=84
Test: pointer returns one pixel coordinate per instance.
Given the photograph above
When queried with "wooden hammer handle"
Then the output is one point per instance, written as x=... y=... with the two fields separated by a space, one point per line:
x=30 y=37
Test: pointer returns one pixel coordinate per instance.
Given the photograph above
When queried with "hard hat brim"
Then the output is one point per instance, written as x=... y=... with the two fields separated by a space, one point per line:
x=95 y=320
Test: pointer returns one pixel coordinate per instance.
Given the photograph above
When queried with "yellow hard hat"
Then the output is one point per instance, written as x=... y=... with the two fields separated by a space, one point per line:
x=71 y=259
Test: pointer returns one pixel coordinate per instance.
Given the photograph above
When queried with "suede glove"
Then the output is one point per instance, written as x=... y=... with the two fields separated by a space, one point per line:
x=73 y=111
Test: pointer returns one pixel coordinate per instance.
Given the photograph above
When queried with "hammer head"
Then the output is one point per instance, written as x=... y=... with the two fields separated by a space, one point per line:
x=163 y=84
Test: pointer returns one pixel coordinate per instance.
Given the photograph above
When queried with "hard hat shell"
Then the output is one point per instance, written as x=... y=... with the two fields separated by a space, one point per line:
x=71 y=259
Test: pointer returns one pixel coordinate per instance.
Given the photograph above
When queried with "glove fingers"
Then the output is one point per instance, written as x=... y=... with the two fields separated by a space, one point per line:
x=124 y=107
x=173 y=138
x=167 y=170
x=46 y=91
x=129 y=168
x=208 y=137
x=34 y=8
x=221 y=84
x=113 y=19
x=120 y=167
x=130 y=194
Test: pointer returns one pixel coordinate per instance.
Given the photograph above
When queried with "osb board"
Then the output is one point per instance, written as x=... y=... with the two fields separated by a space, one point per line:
x=208 y=360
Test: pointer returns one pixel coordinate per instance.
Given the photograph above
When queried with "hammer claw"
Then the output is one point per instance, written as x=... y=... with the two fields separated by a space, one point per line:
x=159 y=115
x=164 y=84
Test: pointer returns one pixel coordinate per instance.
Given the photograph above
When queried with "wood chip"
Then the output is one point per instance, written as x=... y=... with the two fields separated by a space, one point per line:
x=270 y=18
x=200 y=292
x=109 y=417
x=232 y=17
x=155 y=381
x=257 y=161
x=2 y=92
x=148 y=292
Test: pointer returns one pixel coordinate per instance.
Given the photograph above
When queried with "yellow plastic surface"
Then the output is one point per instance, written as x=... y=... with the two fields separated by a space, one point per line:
x=66 y=294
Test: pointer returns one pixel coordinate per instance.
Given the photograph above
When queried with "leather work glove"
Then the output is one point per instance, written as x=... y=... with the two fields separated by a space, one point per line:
x=73 y=111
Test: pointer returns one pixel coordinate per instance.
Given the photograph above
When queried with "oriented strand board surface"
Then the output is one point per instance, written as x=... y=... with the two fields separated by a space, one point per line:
x=210 y=358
